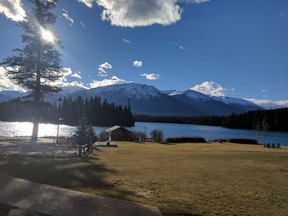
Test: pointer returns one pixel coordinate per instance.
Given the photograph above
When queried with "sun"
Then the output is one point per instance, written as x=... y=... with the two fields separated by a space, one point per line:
x=46 y=35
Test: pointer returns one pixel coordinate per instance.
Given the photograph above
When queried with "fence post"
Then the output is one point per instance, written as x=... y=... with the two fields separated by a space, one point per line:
x=90 y=148
x=80 y=150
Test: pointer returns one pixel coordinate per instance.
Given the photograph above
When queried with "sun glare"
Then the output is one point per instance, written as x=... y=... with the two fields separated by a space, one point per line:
x=46 y=35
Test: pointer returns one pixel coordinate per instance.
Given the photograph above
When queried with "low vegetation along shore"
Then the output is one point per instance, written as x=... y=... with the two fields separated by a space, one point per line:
x=180 y=179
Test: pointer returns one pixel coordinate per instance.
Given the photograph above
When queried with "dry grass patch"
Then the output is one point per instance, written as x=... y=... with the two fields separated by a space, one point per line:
x=204 y=179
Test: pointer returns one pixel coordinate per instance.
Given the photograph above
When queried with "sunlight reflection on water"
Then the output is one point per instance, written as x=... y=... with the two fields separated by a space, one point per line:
x=10 y=129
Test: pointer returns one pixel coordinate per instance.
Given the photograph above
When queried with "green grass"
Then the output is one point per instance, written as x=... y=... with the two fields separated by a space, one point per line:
x=182 y=179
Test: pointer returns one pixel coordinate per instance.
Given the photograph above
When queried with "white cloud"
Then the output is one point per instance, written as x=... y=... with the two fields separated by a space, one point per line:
x=129 y=13
x=72 y=85
x=102 y=72
x=82 y=24
x=173 y=44
x=137 y=63
x=126 y=41
x=76 y=75
x=12 y=9
x=64 y=83
x=210 y=88
x=268 y=103
x=181 y=47
x=67 y=17
x=66 y=72
x=106 y=82
x=102 y=69
x=195 y=1
x=106 y=65
x=88 y=3
x=6 y=83
x=151 y=76
x=133 y=13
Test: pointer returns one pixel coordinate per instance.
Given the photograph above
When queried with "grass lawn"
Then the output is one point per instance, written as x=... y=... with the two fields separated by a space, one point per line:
x=182 y=179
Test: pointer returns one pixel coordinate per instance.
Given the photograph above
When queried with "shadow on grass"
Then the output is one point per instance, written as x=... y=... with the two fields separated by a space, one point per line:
x=85 y=175
x=6 y=209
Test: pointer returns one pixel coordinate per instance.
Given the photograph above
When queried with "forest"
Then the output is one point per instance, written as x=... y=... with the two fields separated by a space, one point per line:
x=102 y=113
x=69 y=111
x=273 y=120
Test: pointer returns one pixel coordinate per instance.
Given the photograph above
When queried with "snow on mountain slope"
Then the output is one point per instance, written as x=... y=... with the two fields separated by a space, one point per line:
x=230 y=100
x=132 y=90
x=191 y=94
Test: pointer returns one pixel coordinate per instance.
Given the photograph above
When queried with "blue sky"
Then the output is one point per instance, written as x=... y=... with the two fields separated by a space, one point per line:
x=236 y=48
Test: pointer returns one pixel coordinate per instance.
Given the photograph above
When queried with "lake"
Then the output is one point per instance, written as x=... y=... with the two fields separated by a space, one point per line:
x=11 y=129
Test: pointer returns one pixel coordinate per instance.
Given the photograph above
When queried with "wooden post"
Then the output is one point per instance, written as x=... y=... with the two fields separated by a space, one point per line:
x=80 y=150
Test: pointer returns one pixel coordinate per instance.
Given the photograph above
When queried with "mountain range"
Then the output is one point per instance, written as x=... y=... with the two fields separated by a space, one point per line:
x=148 y=100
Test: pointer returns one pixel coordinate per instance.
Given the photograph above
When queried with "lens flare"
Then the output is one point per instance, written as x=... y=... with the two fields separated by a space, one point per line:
x=46 y=35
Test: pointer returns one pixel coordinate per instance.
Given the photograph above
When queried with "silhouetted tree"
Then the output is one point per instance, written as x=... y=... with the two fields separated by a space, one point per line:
x=36 y=65
x=157 y=135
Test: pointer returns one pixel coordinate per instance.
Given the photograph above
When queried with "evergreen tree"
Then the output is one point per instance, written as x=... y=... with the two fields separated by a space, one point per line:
x=85 y=133
x=36 y=65
x=82 y=132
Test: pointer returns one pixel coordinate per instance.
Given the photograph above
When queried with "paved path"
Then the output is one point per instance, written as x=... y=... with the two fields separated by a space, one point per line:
x=54 y=201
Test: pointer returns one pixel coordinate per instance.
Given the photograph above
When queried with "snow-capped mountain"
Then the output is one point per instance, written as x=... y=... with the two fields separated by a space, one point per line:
x=132 y=90
x=8 y=95
x=145 y=99
x=66 y=92
x=230 y=100
x=192 y=95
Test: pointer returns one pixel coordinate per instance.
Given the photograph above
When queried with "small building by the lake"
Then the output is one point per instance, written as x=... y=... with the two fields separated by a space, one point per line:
x=118 y=133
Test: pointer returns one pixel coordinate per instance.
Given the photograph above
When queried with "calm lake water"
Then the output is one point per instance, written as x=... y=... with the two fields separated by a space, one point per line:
x=208 y=132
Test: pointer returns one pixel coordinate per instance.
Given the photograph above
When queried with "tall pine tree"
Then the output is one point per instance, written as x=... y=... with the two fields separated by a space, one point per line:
x=36 y=65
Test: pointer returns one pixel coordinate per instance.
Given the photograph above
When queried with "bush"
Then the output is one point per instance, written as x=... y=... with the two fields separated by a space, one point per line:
x=243 y=140
x=220 y=140
x=138 y=136
x=237 y=140
x=157 y=135
x=185 y=139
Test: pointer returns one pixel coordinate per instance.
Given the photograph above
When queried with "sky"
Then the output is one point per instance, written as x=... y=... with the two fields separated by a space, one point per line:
x=235 y=48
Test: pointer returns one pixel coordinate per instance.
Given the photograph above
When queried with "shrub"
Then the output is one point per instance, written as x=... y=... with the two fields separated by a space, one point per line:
x=237 y=140
x=185 y=139
x=220 y=140
x=157 y=135
x=243 y=140
x=138 y=136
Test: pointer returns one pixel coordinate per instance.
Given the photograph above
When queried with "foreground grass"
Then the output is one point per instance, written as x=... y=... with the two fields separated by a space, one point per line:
x=183 y=179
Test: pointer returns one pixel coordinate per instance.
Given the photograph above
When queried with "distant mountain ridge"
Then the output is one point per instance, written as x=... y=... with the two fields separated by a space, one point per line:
x=148 y=100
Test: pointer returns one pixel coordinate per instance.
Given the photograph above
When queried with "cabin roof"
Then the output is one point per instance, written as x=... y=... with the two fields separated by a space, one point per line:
x=116 y=127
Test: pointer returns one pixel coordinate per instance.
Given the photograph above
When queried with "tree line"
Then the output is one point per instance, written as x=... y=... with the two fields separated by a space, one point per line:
x=274 y=120
x=97 y=112
x=70 y=112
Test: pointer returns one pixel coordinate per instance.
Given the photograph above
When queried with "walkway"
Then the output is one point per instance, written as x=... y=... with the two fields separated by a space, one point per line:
x=54 y=201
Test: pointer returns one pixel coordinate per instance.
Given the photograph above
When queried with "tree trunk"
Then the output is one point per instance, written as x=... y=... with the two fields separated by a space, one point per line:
x=37 y=96
x=34 y=137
